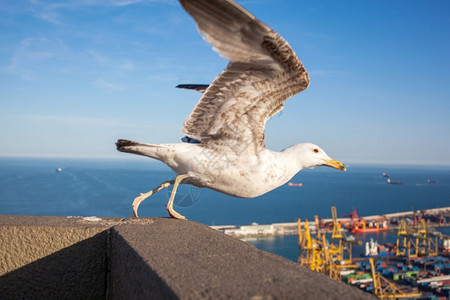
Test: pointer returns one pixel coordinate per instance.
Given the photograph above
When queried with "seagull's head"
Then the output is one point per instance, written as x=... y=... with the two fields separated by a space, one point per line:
x=311 y=156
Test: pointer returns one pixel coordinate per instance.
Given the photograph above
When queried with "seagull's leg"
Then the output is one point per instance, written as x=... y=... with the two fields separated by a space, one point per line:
x=142 y=197
x=169 y=206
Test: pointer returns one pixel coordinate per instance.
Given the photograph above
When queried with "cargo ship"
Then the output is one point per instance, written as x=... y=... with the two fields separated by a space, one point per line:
x=389 y=181
x=358 y=224
x=369 y=226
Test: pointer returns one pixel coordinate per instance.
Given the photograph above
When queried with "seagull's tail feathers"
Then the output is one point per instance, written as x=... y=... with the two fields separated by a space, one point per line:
x=150 y=150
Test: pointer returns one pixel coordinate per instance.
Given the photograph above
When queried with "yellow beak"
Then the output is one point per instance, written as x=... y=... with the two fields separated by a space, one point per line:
x=335 y=164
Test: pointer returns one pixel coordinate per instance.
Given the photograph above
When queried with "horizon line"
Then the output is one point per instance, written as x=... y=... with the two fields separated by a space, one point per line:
x=137 y=157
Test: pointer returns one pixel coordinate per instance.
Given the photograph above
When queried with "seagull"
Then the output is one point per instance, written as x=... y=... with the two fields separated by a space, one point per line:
x=228 y=122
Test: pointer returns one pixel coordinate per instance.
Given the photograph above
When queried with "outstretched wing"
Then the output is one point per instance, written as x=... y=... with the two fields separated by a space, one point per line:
x=263 y=72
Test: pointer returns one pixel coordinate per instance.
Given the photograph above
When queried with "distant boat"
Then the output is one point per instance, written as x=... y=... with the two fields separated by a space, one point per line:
x=295 y=184
x=58 y=170
x=389 y=181
x=431 y=181
x=371 y=226
x=375 y=229
x=385 y=175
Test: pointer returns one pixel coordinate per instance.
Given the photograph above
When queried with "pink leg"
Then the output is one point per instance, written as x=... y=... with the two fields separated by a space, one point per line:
x=169 y=205
x=142 y=197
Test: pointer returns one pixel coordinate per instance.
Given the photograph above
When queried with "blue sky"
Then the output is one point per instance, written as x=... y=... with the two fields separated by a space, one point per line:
x=77 y=75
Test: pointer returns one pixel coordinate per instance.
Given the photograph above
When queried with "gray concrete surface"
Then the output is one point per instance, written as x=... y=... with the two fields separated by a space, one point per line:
x=188 y=260
x=52 y=258
x=148 y=258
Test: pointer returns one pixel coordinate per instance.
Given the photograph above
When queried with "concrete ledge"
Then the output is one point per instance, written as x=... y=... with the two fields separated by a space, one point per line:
x=56 y=257
x=150 y=258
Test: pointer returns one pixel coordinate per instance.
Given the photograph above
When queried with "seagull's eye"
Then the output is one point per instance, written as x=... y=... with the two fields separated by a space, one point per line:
x=316 y=150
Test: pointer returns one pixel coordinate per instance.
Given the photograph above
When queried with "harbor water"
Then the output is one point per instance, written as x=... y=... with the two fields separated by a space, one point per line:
x=89 y=187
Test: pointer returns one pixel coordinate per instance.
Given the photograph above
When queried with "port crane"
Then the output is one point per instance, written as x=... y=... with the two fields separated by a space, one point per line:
x=414 y=242
x=312 y=255
x=404 y=233
x=384 y=289
x=426 y=240
x=341 y=240
x=339 y=256
x=322 y=256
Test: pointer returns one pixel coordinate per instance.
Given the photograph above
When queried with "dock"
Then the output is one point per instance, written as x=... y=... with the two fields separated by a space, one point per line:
x=279 y=229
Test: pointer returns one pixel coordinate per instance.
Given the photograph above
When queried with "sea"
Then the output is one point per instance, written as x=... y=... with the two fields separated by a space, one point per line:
x=107 y=187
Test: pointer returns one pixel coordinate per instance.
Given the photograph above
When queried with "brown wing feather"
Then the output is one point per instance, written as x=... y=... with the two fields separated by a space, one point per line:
x=263 y=72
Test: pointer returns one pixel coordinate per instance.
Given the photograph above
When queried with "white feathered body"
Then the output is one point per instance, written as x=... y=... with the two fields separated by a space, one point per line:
x=236 y=174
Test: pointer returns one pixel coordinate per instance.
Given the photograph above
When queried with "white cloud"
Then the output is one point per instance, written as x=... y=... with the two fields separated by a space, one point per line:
x=50 y=16
x=30 y=52
x=52 y=11
x=79 y=121
x=122 y=2
x=327 y=73
x=34 y=58
x=127 y=66
x=111 y=63
x=98 y=57
x=108 y=85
